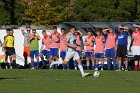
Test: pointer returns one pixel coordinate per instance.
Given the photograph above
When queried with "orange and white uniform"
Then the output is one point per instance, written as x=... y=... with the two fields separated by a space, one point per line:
x=136 y=43
x=99 y=41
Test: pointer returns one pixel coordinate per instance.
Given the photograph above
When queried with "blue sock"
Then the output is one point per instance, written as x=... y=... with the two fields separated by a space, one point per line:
x=63 y=66
x=32 y=63
x=102 y=66
x=87 y=67
x=56 y=66
x=68 y=66
x=93 y=67
x=122 y=65
x=37 y=64
x=75 y=64
x=114 y=65
x=42 y=59
x=96 y=66
x=109 y=65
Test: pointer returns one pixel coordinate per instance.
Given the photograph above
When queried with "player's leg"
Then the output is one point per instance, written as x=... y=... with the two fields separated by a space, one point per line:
x=124 y=54
x=102 y=61
x=32 y=59
x=62 y=55
x=75 y=62
x=55 y=54
x=42 y=54
x=93 y=62
x=97 y=61
x=13 y=57
x=37 y=58
x=119 y=55
x=77 y=58
x=107 y=55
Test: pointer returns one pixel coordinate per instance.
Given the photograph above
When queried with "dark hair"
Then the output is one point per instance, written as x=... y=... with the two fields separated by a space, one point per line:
x=99 y=30
x=72 y=28
x=62 y=28
x=43 y=31
x=54 y=27
x=8 y=29
x=33 y=29
x=89 y=31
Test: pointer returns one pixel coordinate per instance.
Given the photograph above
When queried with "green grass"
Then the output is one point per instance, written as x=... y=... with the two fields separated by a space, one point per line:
x=68 y=81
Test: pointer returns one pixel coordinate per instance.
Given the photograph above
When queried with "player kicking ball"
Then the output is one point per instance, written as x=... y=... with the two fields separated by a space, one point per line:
x=71 y=52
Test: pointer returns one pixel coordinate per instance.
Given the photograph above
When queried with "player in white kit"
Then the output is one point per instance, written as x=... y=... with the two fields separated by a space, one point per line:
x=71 y=52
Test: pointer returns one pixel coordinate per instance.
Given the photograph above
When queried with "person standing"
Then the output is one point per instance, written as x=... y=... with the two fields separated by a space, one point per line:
x=99 y=48
x=71 y=52
x=26 y=52
x=89 y=44
x=122 y=46
x=10 y=50
x=34 y=48
x=136 y=46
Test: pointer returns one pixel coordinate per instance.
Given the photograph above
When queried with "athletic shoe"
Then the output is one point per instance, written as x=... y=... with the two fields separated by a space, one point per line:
x=96 y=69
x=118 y=70
x=33 y=68
x=51 y=64
x=85 y=74
x=126 y=70
x=75 y=68
x=102 y=69
x=6 y=67
x=11 y=67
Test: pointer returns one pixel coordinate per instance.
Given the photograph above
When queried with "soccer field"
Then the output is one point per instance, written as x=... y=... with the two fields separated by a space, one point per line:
x=68 y=81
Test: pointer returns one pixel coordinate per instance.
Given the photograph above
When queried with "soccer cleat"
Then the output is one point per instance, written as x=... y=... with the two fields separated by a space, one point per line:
x=118 y=70
x=6 y=67
x=52 y=64
x=125 y=70
x=102 y=69
x=85 y=74
x=11 y=67
x=96 y=69
x=32 y=68
x=75 y=68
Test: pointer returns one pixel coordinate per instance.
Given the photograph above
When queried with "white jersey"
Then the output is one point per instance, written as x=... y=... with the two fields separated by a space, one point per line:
x=71 y=39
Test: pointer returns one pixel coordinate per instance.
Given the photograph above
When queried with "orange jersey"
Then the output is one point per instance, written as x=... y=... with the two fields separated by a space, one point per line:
x=55 y=36
x=99 y=40
x=78 y=42
x=110 y=41
x=45 y=41
x=136 y=37
x=63 y=45
x=90 y=40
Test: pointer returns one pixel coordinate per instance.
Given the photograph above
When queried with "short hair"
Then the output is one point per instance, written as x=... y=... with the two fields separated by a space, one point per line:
x=99 y=30
x=89 y=31
x=43 y=31
x=73 y=28
x=33 y=29
x=62 y=28
x=54 y=27
x=8 y=29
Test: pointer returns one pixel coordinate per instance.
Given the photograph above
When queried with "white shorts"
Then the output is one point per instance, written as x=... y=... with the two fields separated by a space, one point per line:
x=135 y=50
x=71 y=54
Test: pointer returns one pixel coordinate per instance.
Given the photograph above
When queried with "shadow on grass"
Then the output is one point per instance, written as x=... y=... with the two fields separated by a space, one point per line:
x=3 y=78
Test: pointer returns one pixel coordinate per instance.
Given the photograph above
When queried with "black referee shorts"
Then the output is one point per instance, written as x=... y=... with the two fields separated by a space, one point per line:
x=10 y=51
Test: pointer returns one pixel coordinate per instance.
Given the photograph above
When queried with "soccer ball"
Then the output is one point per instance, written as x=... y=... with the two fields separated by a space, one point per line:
x=96 y=74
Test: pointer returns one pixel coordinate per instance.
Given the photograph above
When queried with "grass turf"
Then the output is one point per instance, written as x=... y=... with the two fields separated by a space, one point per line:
x=68 y=81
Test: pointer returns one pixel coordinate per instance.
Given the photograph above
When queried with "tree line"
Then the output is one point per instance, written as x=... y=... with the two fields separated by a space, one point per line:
x=50 y=12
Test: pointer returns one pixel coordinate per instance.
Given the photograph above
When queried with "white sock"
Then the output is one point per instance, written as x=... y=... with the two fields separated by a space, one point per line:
x=81 y=69
x=58 y=62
